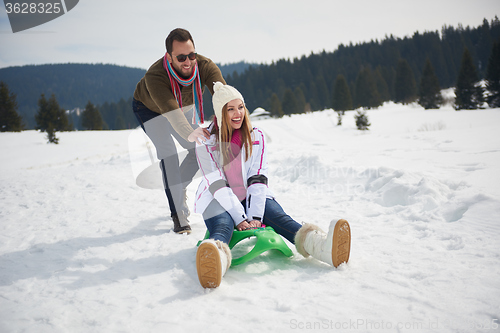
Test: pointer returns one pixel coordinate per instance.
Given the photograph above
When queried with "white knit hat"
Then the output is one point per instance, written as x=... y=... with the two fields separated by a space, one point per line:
x=223 y=94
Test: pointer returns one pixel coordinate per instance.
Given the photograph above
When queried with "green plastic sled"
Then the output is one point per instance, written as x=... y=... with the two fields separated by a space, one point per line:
x=267 y=239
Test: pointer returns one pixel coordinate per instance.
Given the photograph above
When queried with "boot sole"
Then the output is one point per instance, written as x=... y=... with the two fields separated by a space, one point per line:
x=184 y=231
x=341 y=245
x=208 y=265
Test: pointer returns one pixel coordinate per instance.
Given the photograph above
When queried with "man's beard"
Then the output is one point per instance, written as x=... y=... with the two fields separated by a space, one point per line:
x=185 y=77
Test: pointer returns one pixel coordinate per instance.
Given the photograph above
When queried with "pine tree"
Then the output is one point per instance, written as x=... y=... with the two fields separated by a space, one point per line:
x=301 y=99
x=51 y=118
x=45 y=116
x=91 y=118
x=382 y=87
x=323 y=95
x=276 y=110
x=314 y=100
x=362 y=122
x=51 y=134
x=64 y=123
x=366 y=93
x=339 y=117
x=303 y=87
x=289 y=104
x=342 y=100
x=430 y=91
x=405 y=87
x=468 y=91
x=10 y=120
x=493 y=77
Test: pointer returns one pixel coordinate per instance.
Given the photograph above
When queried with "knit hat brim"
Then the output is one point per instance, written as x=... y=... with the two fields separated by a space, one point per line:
x=223 y=94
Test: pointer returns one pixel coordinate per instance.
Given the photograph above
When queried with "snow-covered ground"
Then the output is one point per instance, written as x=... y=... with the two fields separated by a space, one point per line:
x=84 y=249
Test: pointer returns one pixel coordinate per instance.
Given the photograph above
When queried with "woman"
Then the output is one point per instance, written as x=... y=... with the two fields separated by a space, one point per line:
x=234 y=194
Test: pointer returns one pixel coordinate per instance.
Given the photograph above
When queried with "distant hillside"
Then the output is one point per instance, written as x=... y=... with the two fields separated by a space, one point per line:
x=73 y=85
x=238 y=67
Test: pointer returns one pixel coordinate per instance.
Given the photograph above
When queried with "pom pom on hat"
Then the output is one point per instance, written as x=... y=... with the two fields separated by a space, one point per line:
x=223 y=94
x=218 y=85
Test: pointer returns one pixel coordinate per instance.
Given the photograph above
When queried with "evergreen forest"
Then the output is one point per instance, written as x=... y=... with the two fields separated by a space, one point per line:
x=381 y=67
x=365 y=75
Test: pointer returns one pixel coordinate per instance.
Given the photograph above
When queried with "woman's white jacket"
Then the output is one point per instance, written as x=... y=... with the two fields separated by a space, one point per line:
x=214 y=184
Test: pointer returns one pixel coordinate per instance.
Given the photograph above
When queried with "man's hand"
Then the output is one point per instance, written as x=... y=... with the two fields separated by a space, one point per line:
x=200 y=134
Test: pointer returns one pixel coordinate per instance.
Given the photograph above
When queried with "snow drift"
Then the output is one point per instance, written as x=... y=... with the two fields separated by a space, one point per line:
x=84 y=248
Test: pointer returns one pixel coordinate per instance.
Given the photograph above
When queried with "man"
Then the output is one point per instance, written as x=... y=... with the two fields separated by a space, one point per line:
x=168 y=104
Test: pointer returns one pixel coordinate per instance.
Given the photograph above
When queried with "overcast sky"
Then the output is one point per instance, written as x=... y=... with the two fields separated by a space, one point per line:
x=132 y=33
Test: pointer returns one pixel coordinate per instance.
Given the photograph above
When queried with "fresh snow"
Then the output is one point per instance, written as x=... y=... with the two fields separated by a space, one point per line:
x=83 y=248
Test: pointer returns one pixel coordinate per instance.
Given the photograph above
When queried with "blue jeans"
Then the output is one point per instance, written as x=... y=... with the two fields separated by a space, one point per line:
x=221 y=225
x=175 y=177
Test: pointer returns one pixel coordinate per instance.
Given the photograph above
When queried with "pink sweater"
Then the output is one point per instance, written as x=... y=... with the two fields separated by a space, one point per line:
x=233 y=169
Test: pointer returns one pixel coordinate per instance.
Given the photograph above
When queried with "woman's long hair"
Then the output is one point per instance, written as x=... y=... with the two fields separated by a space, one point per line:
x=226 y=133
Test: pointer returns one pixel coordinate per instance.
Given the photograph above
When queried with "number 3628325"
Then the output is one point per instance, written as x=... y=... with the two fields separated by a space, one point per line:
x=33 y=8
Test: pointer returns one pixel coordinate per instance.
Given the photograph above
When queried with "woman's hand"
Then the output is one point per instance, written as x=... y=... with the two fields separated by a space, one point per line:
x=243 y=226
x=200 y=134
x=248 y=225
x=255 y=224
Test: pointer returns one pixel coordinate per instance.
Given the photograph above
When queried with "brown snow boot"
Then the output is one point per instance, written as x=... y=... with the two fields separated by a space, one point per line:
x=213 y=259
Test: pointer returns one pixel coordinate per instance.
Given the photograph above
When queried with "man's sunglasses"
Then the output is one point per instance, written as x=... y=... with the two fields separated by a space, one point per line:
x=183 y=57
